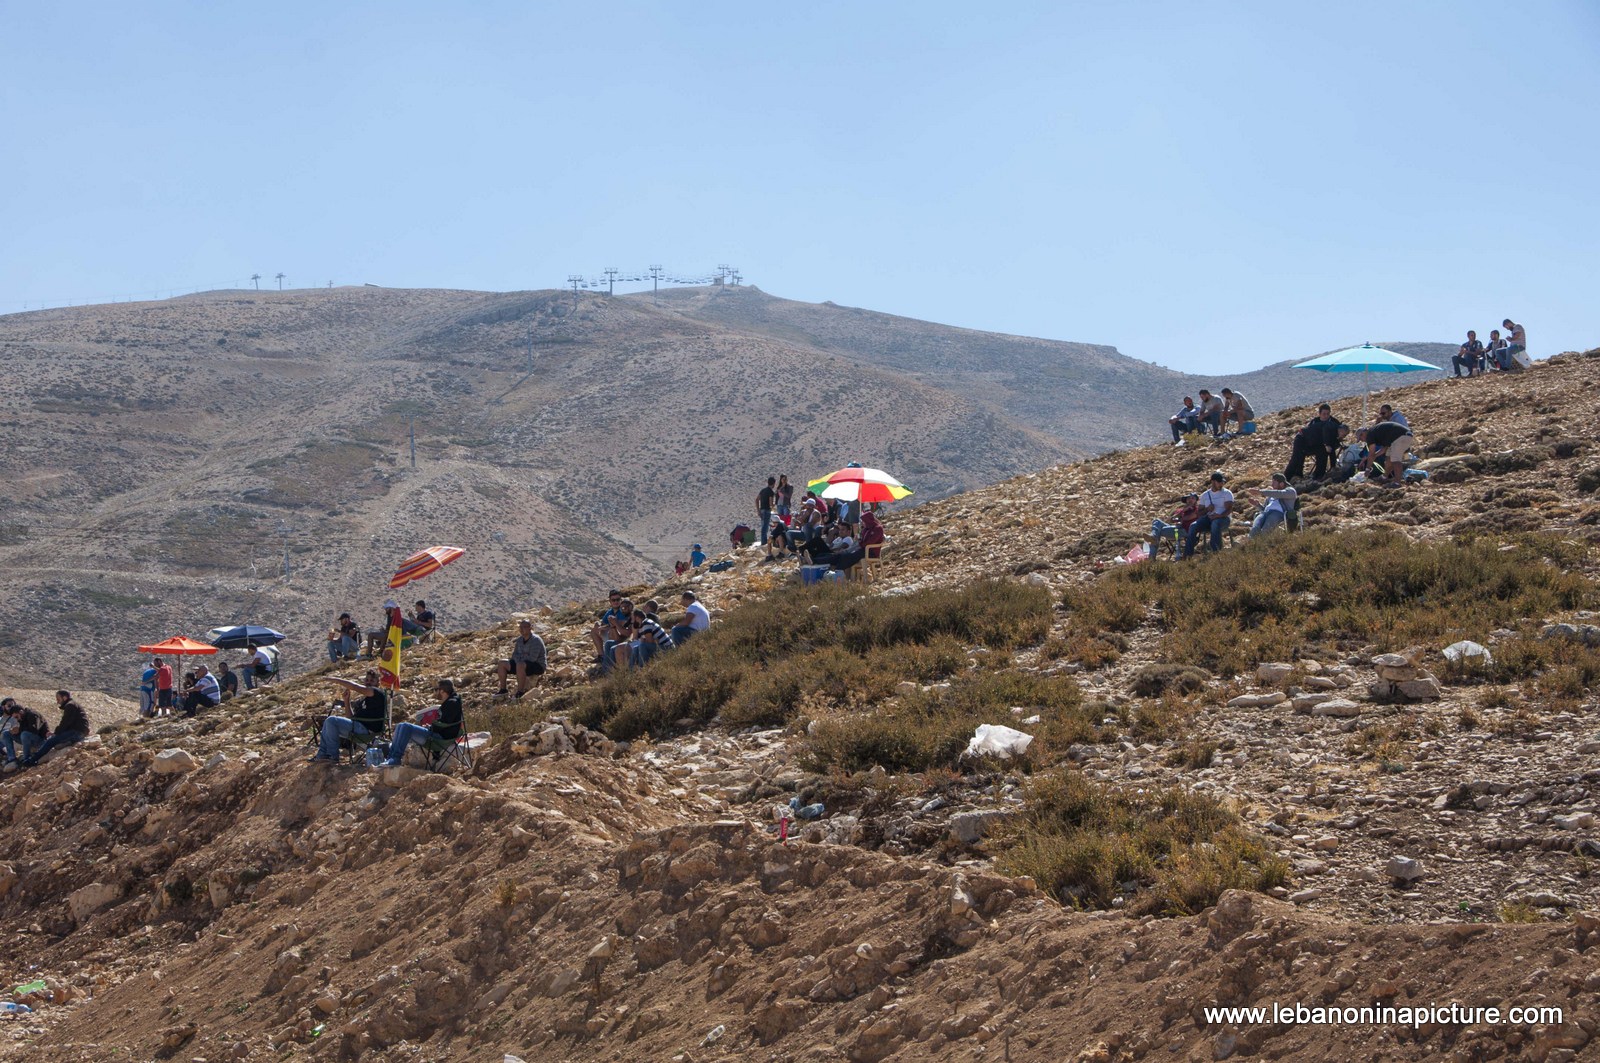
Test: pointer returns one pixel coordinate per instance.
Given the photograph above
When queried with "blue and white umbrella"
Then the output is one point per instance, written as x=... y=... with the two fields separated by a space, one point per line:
x=1366 y=359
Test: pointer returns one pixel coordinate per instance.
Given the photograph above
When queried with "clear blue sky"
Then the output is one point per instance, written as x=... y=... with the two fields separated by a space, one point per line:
x=1209 y=186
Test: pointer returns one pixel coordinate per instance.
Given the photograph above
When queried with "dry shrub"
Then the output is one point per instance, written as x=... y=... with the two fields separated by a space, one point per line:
x=1174 y=851
x=850 y=648
x=1154 y=680
x=930 y=728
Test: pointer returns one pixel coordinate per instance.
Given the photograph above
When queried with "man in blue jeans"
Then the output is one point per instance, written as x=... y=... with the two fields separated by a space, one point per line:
x=1216 y=507
x=447 y=727
x=73 y=728
x=369 y=717
x=20 y=727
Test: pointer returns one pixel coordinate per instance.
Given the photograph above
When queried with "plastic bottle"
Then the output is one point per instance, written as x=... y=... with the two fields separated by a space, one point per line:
x=8 y=1008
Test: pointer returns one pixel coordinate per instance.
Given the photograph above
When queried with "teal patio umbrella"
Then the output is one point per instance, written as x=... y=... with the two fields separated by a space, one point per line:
x=1366 y=359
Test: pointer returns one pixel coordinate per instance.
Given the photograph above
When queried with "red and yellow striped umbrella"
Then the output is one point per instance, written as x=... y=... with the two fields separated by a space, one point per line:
x=424 y=562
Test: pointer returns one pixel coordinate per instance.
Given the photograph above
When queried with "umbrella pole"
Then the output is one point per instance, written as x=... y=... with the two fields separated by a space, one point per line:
x=1366 y=379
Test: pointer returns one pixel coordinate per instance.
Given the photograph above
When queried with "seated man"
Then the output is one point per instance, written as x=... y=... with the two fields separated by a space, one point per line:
x=1185 y=515
x=370 y=717
x=618 y=634
x=1211 y=407
x=1318 y=440
x=527 y=660
x=1516 y=346
x=1185 y=420
x=73 y=728
x=1236 y=409
x=603 y=628
x=206 y=693
x=227 y=681
x=1281 y=499
x=1469 y=356
x=649 y=637
x=421 y=621
x=260 y=668
x=1389 y=441
x=1496 y=351
x=1389 y=413
x=446 y=728
x=696 y=618
x=840 y=543
x=20 y=726
x=1216 y=509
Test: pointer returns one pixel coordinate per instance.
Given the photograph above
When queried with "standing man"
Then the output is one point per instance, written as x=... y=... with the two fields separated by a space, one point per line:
x=163 y=687
x=1389 y=441
x=527 y=660
x=1319 y=440
x=73 y=728
x=1470 y=356
x=1216 y=509
x=147 y=690
x=765 y=498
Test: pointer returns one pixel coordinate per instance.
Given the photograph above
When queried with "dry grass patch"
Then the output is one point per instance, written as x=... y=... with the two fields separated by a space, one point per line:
x=1163 y=851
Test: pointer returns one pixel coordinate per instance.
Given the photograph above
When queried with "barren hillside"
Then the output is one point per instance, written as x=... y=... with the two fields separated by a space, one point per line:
x=1225 y=801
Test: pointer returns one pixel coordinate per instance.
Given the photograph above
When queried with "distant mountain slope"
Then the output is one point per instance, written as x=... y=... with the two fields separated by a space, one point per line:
x=1089 y=395
x=165 y=456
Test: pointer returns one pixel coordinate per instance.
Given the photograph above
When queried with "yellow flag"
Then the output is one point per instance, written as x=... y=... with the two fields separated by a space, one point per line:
x=389 y=660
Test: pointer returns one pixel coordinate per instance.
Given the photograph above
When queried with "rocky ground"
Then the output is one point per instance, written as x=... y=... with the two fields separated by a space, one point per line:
x=194 y=890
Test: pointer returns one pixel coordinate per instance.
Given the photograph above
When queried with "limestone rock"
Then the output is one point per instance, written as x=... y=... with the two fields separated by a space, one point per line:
x=1404 y=869
x=1394 y=667
x=969 y=827
x=1258 y=701
x=1342 y=707
x=1273 y=673
x=89 y=899
x=174 y=762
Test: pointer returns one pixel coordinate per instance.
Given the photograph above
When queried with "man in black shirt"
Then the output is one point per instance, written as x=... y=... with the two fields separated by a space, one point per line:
x=369 y=717
x=20 y=726
x=764 y=502
x=446 y=727
x=73 y=728
x=1389 y=442
x=1470 y=357
x=1318 y=440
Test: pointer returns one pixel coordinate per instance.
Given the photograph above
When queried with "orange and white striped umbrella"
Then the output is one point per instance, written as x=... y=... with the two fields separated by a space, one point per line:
x=424 y=562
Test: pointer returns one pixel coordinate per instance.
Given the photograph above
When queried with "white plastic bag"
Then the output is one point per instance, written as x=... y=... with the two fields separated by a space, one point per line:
x=1469 y=652
x=997 y=740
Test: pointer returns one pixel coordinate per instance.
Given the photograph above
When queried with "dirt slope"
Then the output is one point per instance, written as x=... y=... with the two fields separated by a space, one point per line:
x=575 y=899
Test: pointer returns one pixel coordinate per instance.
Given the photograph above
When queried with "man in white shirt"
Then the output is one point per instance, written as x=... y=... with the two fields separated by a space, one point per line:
x=696 y=618
x=260 y=669
x=1216 y=508
x=206 y=692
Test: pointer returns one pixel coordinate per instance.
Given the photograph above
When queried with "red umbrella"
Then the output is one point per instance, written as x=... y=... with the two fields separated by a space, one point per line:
x=178 y=645
x=424 y=562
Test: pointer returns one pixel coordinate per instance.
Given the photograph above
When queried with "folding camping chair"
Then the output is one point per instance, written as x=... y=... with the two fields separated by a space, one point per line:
x=440 y=753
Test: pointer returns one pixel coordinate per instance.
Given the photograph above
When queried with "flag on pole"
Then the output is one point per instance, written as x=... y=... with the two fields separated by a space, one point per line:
x=389 y=661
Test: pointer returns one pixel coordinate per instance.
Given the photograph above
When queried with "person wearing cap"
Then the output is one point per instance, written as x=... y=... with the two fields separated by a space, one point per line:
x=147 y=689
x=697 y=556
x=1216 y=509
x=446 y=726
x=73 y=728
x=1184 y=516
x=1185 y=420
x=368 y=717
x=527 y=660
x=20 y=726
x=206 y=693
x=1280 y=502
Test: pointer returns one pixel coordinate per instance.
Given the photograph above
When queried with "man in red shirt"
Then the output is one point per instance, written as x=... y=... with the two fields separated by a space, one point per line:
x=163 y=688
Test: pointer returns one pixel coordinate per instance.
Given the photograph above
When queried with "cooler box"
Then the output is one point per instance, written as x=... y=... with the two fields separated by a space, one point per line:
x=1248 y=428
x=810 y=574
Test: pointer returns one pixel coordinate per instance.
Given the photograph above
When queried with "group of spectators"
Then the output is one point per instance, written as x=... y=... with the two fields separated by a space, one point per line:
x=1213 y=414
x=1209 y=514
x=1502 y=353
x=202 y=688
x=26 y=737
x=628 y=636
x=833 y=532
x=1377 y=451
x=366 y=718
